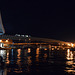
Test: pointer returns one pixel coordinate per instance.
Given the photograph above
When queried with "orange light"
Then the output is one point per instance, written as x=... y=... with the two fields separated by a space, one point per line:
x=29 y=39
x=55 y=47
x=37 y=51
x=52 y=48
x=29 y=50
x=45 y=49
x=62 y=44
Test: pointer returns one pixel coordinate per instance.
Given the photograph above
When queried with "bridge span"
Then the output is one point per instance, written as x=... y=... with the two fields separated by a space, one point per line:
x=19 y=40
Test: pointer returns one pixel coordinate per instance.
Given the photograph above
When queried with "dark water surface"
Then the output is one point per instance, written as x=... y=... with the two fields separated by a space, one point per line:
x=37 y=61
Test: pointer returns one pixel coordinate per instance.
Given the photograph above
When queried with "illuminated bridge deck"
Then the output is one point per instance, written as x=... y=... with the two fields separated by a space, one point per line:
x=33 y=41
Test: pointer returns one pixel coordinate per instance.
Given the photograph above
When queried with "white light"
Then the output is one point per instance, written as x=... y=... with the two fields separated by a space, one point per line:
x=6 y=40
x=69 y=44
x=3 y=53
x=17 y=35
x=22 y=35
x=0 y=40
x=69 y=54
x=72 y=44
x=1 y=45
x=26 y=35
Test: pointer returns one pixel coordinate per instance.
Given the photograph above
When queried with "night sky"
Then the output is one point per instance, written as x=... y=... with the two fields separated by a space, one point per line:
x=40 y=18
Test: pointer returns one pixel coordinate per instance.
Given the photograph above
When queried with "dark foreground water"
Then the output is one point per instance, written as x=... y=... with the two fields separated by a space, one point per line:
x=37 y=61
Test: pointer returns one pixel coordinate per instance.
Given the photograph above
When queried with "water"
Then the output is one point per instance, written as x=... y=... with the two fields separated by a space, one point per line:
x=37 y=61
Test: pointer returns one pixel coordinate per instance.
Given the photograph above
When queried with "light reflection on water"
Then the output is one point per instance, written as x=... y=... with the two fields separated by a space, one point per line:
x=71 y=62
x=38 y=60
x=69 y=55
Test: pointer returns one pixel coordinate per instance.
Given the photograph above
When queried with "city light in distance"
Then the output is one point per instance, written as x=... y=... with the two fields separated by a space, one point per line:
x=0 y=40
x=6 y=40
x=29 y=50
x=72 y=44
x=69 y=44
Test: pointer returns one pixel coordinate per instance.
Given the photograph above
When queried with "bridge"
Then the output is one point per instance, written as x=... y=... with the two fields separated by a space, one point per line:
x=23 y=40
x=31 y=39
x=27 y=41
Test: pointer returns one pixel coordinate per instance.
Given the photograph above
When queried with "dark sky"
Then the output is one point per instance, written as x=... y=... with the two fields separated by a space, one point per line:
x=40 y=18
